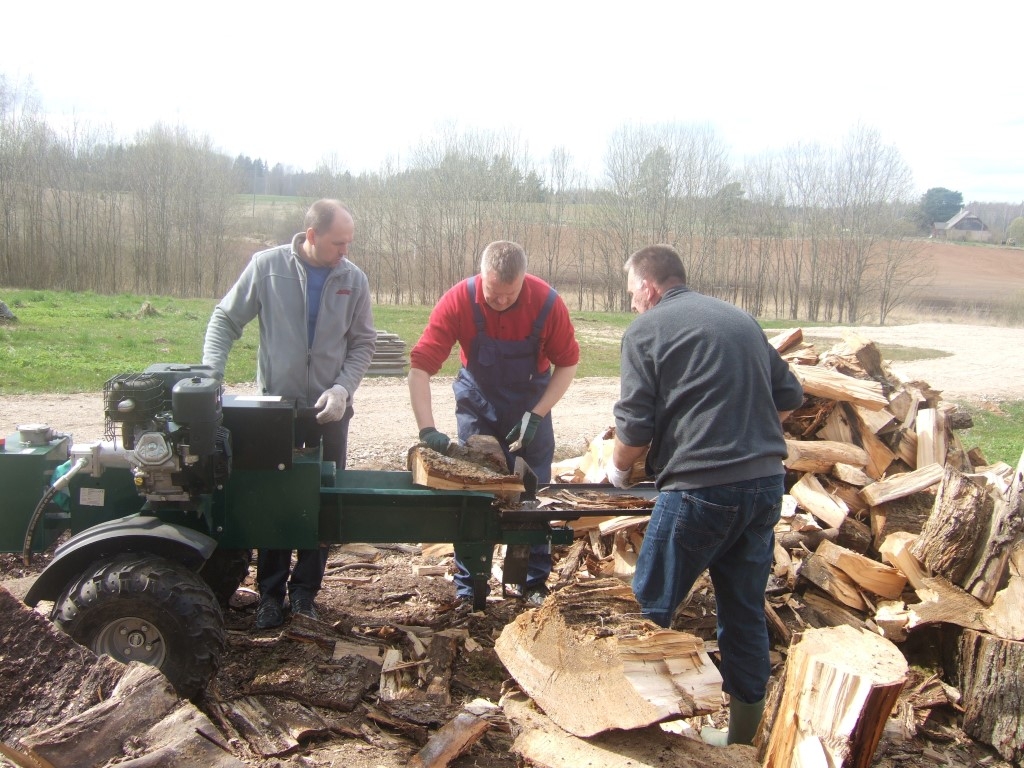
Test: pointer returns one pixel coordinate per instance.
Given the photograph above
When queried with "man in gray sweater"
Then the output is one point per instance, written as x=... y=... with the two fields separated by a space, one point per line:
x=316 y=343
x=705 y=394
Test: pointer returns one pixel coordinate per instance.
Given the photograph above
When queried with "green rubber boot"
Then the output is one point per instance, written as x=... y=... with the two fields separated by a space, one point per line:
x=743 y=720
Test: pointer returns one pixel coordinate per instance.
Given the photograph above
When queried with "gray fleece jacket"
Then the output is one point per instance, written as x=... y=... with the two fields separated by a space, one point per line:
x=702 y=385
x=272 y=287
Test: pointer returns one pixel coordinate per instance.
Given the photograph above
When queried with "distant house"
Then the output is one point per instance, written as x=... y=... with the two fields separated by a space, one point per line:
x=964 y=226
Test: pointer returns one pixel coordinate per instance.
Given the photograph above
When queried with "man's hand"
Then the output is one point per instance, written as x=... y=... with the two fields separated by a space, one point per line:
x=524 y=435
x=617 y=477
x=333 y=403
x=436 y=441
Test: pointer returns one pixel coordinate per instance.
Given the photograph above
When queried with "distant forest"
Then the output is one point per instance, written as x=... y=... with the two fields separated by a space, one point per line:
x=818 y=233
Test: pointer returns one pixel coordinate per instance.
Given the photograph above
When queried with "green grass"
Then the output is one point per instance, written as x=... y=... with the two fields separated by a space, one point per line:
x=73 y=342
x=998 y=433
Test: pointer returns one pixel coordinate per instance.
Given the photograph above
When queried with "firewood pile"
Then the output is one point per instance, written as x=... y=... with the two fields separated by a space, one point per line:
x=890 y=526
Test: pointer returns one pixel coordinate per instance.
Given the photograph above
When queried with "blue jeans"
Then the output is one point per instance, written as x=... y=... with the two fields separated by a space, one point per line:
x=728 y=530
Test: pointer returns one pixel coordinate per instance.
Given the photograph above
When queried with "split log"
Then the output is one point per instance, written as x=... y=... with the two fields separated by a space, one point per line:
x=877 y=578
x=822 y=455
x=592 y=663
x=904 y=405
x=784 y=342
x=434 y=470
x=541 y=743
x=810 y=495
x=454 y=738
x=838 y=689
x=991 y=679
x=961 y=514
x=902 y=484
x=832 y=580
x=1006 y=528
x=970 y=533
x=831 y=385
x=860 y=352
x=853 y=475
x=34 y=650
x=895 y=550
x=931 y=437
x=879 y=422
x=825 y=613
x=143 y=711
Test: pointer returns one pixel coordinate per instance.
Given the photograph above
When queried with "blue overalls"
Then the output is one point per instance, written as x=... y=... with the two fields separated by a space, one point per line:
x=498 y=384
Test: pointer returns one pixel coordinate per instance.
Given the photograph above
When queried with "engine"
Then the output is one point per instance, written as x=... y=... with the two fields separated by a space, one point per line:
x=170 y=423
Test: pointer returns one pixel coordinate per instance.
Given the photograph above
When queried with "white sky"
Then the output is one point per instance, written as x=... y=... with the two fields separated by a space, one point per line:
x=296 y=83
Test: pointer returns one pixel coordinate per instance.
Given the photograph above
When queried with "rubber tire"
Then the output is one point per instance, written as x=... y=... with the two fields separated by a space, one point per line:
x=225 y=571
x=166 y=599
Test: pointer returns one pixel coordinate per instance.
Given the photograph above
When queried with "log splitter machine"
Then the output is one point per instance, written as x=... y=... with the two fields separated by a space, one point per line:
x=165 y=511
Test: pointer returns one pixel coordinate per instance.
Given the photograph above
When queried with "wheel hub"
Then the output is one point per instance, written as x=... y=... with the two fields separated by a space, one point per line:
x=130 y=638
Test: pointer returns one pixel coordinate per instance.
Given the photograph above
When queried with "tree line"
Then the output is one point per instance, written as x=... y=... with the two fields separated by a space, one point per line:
x=813 y=232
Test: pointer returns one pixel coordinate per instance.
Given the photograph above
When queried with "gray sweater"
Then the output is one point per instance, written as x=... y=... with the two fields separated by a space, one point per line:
x=273 y=288
x=702 y=385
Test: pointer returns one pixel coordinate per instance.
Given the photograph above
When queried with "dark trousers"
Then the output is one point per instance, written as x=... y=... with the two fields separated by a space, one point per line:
x=274 y=572
x=728 y=530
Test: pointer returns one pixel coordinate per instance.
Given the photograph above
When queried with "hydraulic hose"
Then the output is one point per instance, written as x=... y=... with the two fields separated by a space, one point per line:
x=59 y=484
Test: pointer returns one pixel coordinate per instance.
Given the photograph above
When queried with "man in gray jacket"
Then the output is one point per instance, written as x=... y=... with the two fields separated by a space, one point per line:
x=706 y=392
x=316 y=343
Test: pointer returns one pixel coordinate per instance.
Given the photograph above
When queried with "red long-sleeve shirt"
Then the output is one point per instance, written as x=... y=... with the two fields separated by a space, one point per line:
x=452 y=321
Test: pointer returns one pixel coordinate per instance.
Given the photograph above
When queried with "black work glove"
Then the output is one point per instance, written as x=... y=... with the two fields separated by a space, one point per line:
x=437 y=441
x=527 y=435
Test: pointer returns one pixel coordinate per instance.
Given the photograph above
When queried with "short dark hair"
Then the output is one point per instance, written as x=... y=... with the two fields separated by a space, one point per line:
x=506 y=259
x=321 y=214
x=657 y=263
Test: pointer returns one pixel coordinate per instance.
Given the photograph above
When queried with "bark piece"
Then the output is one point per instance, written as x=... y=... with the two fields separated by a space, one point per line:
x=454 y=738
x=838 y=688
x=592 y=663
x=302 y=675
x=992 y=687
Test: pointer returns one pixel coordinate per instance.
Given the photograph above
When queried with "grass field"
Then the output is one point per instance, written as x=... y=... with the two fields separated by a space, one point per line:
x=73 y=342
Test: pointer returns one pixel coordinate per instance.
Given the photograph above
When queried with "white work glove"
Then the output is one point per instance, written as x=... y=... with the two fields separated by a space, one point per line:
x=333 y=402
x=617 y=477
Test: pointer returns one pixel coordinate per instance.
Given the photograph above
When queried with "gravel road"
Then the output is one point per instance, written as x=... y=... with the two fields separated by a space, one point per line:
x=984 y=364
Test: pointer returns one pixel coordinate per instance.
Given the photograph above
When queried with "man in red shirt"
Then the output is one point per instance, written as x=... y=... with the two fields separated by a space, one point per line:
x=519 y=355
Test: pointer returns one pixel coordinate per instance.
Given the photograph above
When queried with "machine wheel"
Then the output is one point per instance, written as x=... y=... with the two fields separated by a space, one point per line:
x=140 y=607
x=225 y=571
